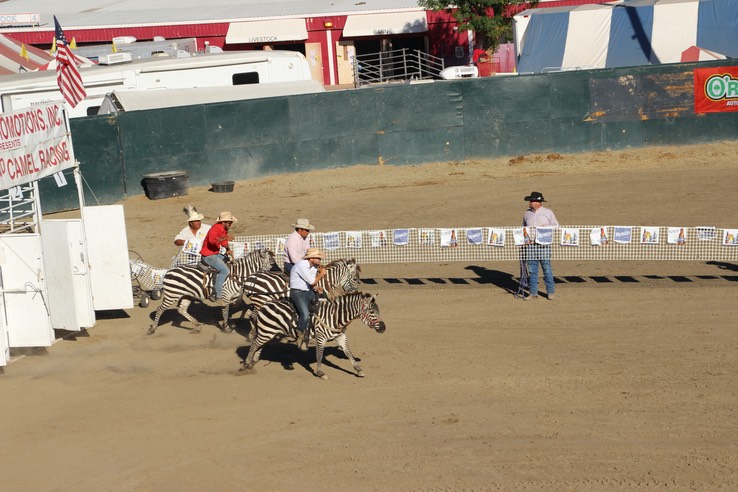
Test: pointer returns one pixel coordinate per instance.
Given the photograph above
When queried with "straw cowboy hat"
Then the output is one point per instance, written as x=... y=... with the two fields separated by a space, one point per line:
x=192 y=213
x=303 y=224
x=226 y=217
x=313 y=253
x=535 y=196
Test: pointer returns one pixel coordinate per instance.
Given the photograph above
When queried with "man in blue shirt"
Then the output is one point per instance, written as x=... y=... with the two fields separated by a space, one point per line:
x=304 y=278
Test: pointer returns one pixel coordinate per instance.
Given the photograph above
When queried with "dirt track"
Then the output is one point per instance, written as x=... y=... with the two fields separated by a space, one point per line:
x=619 y=384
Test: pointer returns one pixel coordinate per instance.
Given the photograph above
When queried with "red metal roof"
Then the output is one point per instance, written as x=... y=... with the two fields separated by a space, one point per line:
x=141 y=33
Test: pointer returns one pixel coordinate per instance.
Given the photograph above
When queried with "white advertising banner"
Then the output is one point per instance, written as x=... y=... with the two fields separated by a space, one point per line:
x=34 y=143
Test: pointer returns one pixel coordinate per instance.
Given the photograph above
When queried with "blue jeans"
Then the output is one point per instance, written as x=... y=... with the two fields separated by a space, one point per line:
x=548 y=278
x=217 y=262
x=302 y=299
x=288 y=267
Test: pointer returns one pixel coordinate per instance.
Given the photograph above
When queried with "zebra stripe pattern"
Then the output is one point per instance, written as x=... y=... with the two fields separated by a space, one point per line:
x=184 y=284
x=330 y=321
x=263 y=287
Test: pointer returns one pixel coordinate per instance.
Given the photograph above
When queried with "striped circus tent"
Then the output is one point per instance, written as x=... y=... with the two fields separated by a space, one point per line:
x=695 y=54
x=630 y=33
x=11 y=60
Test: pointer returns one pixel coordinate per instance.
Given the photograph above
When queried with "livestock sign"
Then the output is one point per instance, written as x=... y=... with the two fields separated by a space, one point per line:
x=715 y=89
x=34 y=143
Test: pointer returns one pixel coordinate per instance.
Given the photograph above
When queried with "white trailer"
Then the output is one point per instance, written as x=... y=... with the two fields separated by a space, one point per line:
x=122 y=101
x=117 y=72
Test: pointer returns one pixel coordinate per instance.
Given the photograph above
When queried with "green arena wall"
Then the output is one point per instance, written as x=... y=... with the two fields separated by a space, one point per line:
x=398 y=124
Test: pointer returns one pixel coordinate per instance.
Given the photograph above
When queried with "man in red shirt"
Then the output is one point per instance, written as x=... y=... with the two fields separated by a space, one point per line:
x=216 y=240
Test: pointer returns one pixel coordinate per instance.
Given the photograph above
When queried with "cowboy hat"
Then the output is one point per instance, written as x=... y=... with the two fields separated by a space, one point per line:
x=192 y=213
x=313 y=253
x=226 y=217
x=303 y=224
x=535 y=196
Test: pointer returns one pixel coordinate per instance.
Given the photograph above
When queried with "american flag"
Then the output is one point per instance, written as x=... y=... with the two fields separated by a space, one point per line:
x=67 y=74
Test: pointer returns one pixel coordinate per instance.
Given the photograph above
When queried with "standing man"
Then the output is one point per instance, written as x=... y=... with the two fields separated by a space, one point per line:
x=538 y=216
x=296 y=244
x=304 y=278
x=195 y=230
x=215 y=251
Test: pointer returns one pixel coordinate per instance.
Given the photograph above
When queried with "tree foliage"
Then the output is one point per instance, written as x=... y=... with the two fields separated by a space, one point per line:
x=491 y=20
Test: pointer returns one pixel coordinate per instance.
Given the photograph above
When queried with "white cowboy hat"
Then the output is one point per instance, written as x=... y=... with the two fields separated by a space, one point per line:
x=192 y=213
x=313 y=253
x=303 y=224
x=226 y=217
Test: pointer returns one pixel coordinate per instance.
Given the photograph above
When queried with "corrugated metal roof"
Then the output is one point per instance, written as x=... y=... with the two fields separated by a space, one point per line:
x=129 y=13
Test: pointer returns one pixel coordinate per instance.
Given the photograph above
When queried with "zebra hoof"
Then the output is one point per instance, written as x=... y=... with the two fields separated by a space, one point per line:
x=321 y=375
x=151 y=330
x=227 y=329
x=195 y=330
x=360 y=374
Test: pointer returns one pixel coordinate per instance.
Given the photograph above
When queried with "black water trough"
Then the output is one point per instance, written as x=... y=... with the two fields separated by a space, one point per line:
x=165 y=184
x=222 y=186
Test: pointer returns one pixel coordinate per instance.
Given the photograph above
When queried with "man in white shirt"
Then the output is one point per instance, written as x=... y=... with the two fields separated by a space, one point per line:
x=538 y=254
x=304 y=278
x=195 y=231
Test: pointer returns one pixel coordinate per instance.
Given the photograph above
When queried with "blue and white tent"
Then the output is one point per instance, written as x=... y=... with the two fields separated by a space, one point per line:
x=629 y=33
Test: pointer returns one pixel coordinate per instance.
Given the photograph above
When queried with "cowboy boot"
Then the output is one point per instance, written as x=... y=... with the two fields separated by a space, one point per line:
x=304 y=340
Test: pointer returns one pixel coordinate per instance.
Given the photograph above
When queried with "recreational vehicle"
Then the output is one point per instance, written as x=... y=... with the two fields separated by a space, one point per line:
x=175 y=48
x=118 y=72
x=123 y=101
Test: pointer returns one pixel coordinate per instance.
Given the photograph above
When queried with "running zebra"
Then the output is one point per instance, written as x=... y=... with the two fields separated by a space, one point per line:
x=332 y=317
x=184 y=284
x=263 y=287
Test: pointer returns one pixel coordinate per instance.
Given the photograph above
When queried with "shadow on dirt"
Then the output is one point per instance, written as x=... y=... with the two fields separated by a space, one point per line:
x=509 y=282
x=288 y=355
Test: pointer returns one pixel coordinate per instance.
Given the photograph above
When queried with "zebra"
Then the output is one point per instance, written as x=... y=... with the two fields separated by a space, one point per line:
x=262 y=287
x=184 y=284
x=279 y=319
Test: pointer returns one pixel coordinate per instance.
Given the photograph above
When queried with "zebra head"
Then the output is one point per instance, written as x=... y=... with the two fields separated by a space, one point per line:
x=266 y=259
x=345 y=274
x=351 y=282
x=370 y=313
x=261 y=259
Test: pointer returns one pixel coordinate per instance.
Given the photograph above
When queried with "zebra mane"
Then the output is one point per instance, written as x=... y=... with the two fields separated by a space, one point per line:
x=260 y=251
x=344 y=261
x=254 y=254
x=347 y=295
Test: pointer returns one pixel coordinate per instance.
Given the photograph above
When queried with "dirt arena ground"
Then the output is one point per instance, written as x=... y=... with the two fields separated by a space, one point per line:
x=613 y=386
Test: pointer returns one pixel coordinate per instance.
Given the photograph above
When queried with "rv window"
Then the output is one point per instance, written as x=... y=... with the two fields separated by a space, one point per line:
x=92 y=110
x=245 y=78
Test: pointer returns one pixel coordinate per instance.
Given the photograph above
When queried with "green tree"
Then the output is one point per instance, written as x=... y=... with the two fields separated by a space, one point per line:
x=491 y=20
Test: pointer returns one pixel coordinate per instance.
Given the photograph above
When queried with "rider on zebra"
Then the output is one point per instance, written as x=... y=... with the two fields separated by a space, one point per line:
x=297 y=243
x=304 y=279
x=217 y=240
